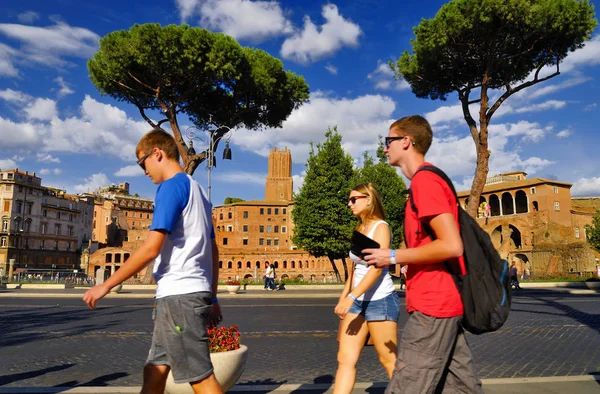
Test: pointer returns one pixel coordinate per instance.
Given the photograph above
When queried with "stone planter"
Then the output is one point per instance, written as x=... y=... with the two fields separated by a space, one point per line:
x=233 y=289
x=117 y=288
x=228 y=367
x=593 y=285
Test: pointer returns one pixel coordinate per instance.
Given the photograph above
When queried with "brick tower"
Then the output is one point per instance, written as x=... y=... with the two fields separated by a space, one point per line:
x=279 y=178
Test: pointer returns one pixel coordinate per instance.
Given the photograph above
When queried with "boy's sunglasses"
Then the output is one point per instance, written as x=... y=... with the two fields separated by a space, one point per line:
x=352 y=200
x=388 y=140
x=141 y=160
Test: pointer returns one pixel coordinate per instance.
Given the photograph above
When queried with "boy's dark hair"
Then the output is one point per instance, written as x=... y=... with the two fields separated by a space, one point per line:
x=418 y=129
x=158 y=138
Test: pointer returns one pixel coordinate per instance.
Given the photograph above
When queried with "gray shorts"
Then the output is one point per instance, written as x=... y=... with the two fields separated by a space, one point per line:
x=433 y=357
x=180 y=338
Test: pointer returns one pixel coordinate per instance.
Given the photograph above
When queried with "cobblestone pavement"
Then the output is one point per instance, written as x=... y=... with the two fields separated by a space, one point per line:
x=59 y=342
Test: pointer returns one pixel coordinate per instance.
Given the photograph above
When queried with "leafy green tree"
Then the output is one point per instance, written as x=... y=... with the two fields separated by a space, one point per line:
x=231 y=200
x=322 y=221
x=391 y=187
x=475 y=46
x=207 y=77
x=593 y=232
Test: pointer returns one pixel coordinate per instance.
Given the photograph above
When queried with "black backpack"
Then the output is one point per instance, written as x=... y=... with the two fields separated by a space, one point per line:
x=485 y=288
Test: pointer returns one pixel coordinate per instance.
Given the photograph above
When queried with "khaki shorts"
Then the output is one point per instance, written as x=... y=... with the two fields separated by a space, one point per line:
x=180 y=338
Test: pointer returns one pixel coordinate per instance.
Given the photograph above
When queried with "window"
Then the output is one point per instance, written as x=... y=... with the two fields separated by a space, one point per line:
x=269 y=229
x=245 y=228
x=284 y=211
x=261 y=229
x=268 y=211
x=7 y=206
x=261 y=241
x=20 y=189
x=8 y=187
x=576 y=232
x=44 y=212
x=4 y=224
x=3 y=244
x=58 y=215
x=245 y=241
x=245 y=214
x=132 y=214
x=262 y=211
x=43 y=228
x=556 y=206
x=10 y=175
x=283 y=229
x=19 y=206
x=268 y=241
x=147 y=216
x=43 y=244
x=224 y=241
x=221 y=216
x=555 y=190
x=57 y=229
x=532 y=190
x=276 y=229
x=29 y=208
x=229 y=215
x=276 y=241
x=230 y=228
x=96 y=213
x=71 y=231
x=276 y=211
x=70 y=217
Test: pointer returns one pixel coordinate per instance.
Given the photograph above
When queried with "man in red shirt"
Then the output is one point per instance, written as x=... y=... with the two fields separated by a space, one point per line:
x=433 y=355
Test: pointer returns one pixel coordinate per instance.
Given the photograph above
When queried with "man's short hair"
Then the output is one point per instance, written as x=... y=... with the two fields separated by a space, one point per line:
x=158 y=138
x=418 y=129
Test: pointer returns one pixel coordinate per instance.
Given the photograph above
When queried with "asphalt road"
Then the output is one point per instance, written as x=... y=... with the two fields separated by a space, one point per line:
x=46 y=341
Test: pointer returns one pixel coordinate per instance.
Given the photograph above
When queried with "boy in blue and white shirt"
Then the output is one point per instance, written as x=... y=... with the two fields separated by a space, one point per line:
x=181 y=240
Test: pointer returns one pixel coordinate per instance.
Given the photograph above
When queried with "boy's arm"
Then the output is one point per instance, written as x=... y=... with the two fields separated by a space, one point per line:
x=149 y=250
x=215 y=315
x=447 y=245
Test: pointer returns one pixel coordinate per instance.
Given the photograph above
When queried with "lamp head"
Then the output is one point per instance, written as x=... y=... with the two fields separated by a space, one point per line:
x=227 y=151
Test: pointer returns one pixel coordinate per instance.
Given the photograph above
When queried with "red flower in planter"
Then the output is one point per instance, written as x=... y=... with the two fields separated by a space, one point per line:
x=233 y=283
x=223 y=339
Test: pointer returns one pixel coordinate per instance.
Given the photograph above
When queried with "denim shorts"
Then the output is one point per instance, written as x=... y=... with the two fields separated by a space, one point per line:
x=387 y=308
x=180 y=338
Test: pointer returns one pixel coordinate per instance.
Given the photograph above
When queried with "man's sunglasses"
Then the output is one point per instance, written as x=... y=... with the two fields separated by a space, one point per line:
x=352 y=200
x=141 y=160
x=388 y=140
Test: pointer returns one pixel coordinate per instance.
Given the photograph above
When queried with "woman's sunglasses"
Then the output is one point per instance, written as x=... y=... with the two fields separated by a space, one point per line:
x=352 y=200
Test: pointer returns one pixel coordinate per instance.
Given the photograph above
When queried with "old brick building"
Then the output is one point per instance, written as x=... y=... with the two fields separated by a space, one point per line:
x=535 y=222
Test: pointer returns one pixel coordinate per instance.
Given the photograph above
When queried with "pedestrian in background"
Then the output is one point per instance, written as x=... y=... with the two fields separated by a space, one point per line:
x=181 y=240
x=514 y=278
x=267 y=272
x=368 y=304
x=433 y=354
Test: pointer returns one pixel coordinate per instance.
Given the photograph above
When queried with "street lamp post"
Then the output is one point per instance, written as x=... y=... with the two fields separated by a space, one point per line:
x=210 y=149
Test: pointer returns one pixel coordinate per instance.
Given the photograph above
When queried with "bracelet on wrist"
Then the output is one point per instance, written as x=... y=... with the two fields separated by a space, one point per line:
x=214 y=300
x=393 y=256
x=352 y=296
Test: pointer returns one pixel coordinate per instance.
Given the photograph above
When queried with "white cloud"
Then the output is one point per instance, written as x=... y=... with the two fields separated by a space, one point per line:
x=313 y=43
x=298 y=181
x=129 y=171
x=46 y=158
x=7 y=59
x=550 y=104
x=544 y=88
x=92 y=183
x=48 y=45
x=587 y=56
x=564 y=133
x=64 y=87
x=241 y=19
x=41 y=109
x=332 y=69
x=383 y=78
x=242 y=177
x=360 y=120
x=590 y=107
x=586 y=187
x=6 y=164
x=47 y=171
x=20 y=136
x=14 y=96
x=28 y=17
x=18 y=158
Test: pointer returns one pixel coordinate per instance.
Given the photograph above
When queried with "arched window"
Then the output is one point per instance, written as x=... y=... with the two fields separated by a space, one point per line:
x=229 y=264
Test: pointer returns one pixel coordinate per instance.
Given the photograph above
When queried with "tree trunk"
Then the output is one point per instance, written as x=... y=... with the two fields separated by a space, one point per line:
x=148 y=278
x=481 y=171
x=335 y=270
x=345 y=265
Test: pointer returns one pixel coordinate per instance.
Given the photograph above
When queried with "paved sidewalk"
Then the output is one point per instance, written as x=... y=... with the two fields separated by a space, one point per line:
x=586 y=384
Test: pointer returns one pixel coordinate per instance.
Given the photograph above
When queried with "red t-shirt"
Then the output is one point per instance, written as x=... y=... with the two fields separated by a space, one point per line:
x=430 y=288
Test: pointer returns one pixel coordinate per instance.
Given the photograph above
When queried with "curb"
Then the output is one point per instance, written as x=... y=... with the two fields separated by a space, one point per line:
x=288 y=387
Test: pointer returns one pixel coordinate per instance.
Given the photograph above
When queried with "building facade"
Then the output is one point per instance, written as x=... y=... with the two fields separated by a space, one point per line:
x=42 y=228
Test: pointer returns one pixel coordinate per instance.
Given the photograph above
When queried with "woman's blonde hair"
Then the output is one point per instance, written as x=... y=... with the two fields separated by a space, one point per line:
x=375 y=208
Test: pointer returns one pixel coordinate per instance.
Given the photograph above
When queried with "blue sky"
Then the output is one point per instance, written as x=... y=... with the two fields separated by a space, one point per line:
x=53 y=120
